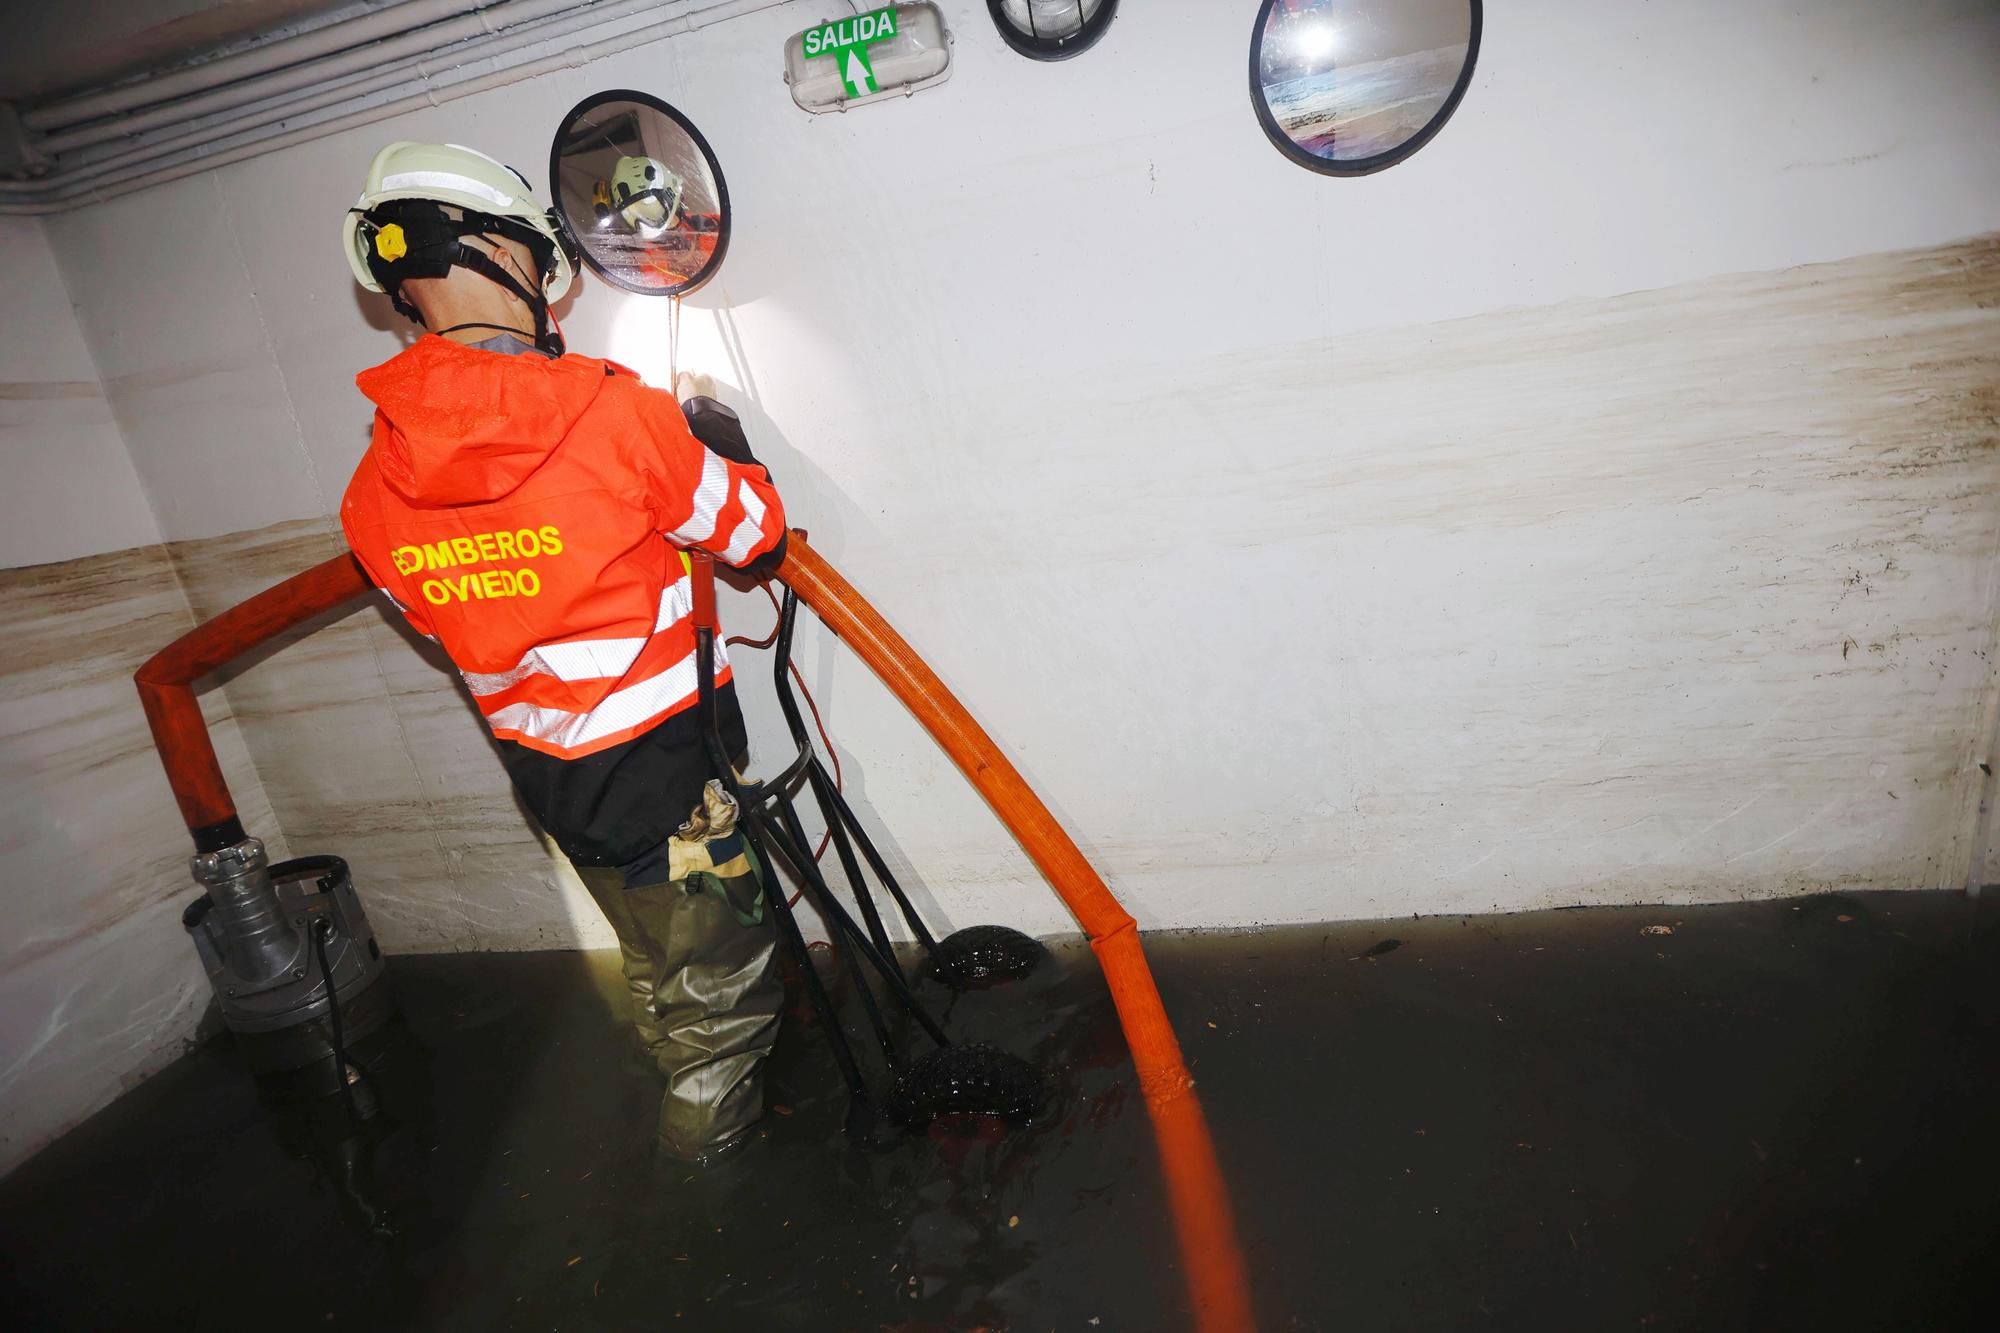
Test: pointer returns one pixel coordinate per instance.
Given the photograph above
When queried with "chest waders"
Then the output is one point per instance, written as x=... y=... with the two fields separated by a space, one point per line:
x=951 y=1078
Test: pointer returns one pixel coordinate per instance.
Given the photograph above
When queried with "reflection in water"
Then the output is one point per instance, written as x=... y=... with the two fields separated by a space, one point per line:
x=1438 y=1136
x=368 y=1148
x=1350 y=80
x=643 y=197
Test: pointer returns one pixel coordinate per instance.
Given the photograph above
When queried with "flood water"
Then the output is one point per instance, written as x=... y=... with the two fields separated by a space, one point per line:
x=1778 y=1116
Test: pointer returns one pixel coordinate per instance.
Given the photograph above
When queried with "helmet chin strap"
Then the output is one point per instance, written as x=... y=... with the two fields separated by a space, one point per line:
x=546 y=339
x=436 y=245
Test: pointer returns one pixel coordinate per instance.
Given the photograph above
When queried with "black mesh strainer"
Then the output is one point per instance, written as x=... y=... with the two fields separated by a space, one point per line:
x=982 y=956
x=972 y=1078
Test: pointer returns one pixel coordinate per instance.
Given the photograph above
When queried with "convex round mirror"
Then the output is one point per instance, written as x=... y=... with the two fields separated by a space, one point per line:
x=642 y=191
x=1347 y=87
x=1051 y=29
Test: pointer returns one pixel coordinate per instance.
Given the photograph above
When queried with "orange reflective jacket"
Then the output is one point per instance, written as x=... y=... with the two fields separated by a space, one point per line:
x=524 y=513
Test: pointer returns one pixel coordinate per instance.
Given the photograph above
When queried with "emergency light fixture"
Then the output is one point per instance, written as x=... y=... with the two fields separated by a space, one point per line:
x=861 y=58
x=1051 y=29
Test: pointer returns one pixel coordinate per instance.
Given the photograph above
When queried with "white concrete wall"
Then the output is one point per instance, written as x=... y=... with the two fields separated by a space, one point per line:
x=1463 y=537
x=97 y=985
x=70 y=490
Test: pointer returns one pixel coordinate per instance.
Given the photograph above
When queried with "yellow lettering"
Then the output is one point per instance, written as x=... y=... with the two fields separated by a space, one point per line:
x=520 y=544
x=482 y=585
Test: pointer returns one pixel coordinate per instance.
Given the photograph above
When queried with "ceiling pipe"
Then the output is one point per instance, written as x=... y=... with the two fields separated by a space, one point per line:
x=208 y=142
x=222 y=94
x=199 y=160
x=398 y=17
x=284 y=104
x=172 y=138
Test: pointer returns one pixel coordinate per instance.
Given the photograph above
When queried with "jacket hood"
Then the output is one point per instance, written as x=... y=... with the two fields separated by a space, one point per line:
x=466 y=426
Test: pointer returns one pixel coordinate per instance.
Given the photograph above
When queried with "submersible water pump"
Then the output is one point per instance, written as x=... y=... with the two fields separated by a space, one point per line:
x=288 y=950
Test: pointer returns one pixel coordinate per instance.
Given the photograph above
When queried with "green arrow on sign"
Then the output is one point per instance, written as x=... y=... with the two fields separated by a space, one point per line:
x=848 y=40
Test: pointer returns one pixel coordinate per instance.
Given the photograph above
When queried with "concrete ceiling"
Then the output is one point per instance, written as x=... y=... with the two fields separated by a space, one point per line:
x=49 y=49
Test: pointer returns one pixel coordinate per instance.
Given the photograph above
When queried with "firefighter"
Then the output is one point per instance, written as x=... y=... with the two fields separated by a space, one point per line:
x=528 y=510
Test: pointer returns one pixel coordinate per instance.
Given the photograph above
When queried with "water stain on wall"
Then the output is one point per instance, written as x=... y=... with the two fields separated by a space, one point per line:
x=1678 y=595
x=97 y=984
x=87 y=804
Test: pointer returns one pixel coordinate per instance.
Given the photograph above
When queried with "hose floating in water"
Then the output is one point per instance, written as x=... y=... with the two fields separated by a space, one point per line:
x=1198 y=1195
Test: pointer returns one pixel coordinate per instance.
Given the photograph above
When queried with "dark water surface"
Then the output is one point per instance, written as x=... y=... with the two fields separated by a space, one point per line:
x=1779 y=1116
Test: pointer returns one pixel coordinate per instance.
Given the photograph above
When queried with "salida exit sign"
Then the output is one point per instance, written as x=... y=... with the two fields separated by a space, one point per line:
x=860 y=58
x=847 y=41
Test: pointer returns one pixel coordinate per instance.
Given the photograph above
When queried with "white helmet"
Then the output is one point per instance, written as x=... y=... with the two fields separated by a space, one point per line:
x=399 y=228
x=646 y=193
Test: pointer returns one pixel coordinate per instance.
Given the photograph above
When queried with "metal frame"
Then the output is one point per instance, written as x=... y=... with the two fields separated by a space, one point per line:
x=770 y=823
x=696 y=280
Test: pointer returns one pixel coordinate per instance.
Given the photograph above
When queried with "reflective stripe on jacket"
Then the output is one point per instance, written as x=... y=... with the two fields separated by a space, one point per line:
x=524 y=513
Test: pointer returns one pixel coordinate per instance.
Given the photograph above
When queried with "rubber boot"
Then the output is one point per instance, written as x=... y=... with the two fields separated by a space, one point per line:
x=706 y=998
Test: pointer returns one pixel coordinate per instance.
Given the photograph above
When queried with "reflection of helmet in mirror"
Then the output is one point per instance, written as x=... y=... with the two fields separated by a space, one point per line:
x=493 y=200
x=643 y=191
x=646 y=194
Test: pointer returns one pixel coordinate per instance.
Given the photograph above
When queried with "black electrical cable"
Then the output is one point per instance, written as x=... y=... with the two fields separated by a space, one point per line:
x=321 y=929
x=839 y=779
x=522 y=334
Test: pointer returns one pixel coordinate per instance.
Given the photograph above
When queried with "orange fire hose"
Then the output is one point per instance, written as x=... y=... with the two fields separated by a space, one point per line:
x=166 y=686
x=1197 y=1193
